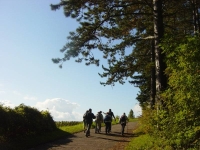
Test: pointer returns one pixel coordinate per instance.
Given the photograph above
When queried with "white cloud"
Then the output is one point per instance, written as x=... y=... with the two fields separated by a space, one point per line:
x=16 y=93
x=137 y=110
x=7 y=103
x=30 y=98
x=60 y=109
x=2 y=92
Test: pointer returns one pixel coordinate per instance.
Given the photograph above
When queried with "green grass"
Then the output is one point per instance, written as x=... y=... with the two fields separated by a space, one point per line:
x=133 y=119
x=142 y=142
x=146 y=142
x=72 y=129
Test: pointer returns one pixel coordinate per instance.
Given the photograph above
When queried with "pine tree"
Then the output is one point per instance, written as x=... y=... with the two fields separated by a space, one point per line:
x=128 y=33
x=131 y=114
x=113 y=27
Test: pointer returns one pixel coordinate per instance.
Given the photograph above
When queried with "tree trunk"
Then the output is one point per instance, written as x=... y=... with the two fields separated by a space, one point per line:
x=153 y=77
x=160 y=66
x=195 y=16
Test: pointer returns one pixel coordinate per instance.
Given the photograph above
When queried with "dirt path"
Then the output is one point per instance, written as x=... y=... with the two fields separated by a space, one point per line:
x=101 y=141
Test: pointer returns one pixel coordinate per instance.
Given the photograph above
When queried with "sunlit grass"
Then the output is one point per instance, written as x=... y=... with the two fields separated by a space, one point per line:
x=72 y=129
x=142 y=142
x=147 y=142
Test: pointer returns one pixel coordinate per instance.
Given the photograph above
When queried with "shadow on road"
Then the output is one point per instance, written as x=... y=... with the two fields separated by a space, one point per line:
x=97 y=140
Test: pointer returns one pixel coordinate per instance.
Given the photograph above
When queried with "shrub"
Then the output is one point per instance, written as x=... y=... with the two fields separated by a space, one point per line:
x=24 y=120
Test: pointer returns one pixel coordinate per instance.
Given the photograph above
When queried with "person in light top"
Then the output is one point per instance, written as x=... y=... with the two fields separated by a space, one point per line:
x=98 y=122
x=123 y=120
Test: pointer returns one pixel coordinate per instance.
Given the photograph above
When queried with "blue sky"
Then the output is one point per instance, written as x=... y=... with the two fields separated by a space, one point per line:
x=31 y=34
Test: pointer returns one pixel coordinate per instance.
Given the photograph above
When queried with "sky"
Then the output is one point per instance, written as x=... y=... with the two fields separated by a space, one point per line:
x=31 y=34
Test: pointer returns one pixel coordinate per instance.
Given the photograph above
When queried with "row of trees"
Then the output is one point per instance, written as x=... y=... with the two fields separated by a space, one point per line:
x=154 y=44
x=67 y=123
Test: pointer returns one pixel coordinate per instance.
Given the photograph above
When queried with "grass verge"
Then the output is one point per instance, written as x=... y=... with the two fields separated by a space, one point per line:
x=142 y=141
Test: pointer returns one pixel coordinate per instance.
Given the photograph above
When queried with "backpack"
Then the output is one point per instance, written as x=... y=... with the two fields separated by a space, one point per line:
x=99 y=117
x=107 y=118
x=123 y=119
x=111 y=114
x=85 y=116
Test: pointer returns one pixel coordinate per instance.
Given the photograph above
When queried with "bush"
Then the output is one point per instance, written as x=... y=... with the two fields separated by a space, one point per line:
x=24 y=120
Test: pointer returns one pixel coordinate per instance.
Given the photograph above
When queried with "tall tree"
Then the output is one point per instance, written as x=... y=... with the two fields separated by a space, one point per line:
x=112 y=26
x=161 y=81
x=131 y=114
x=117 y=28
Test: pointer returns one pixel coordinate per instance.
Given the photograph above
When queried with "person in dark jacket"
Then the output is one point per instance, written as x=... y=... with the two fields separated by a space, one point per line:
x=89 y=119
x=123 y=120
x=84 y=121
x=112 y=116
x=107 y=121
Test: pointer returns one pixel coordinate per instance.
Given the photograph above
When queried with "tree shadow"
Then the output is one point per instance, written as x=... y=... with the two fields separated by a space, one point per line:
x=47 y=142
x=68 y=138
